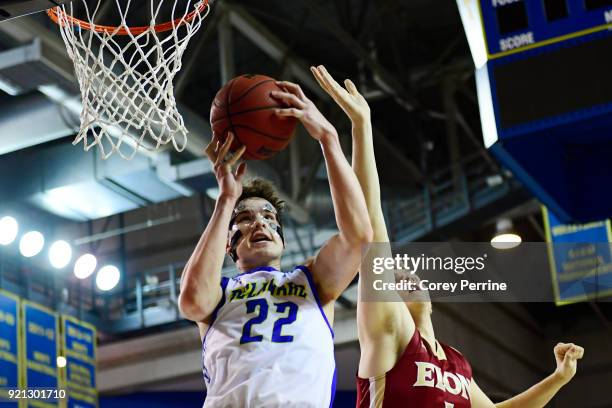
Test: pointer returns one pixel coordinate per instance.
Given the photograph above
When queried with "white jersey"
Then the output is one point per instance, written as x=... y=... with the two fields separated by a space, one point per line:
x=269 y=344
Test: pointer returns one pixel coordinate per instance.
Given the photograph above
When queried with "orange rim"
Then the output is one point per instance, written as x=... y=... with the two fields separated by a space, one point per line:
x=55 y=13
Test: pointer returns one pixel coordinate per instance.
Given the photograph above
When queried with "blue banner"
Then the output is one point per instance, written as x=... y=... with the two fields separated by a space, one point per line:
x=41 y=348
x=79 y=346
x=581 y=271
x=9 y=346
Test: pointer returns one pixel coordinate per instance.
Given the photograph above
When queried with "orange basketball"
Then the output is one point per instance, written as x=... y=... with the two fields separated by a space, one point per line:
x=244 y=106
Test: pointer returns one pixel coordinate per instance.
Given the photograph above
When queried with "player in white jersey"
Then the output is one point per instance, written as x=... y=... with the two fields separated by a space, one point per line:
x=267 y=337
x=280 y=353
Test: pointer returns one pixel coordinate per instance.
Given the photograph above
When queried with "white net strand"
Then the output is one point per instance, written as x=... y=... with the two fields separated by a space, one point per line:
x=127 y=81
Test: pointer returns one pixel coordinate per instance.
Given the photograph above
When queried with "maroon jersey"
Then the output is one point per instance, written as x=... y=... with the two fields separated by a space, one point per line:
x=419 y=379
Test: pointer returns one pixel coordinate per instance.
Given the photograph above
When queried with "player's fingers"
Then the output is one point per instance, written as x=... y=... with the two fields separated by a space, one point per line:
x=236 y=156
x=319 y=77
x=330 y=80
x=215 y=138
x=292 y=88
x=214 y=144
x=289 y=98
x=563 y=351
x=327 y=79
x=322 y=76
x=335 y=92
x=563 y=347
x=330 y=84
x=350 y=86
x=571 y=354
x=568 y=358
x=241 y=171
x=224 y=149
x=577 y=352
x=289 y=112
x=210 y=152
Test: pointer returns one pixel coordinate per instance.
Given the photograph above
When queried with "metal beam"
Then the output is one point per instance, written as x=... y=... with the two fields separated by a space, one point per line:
x=226 y=49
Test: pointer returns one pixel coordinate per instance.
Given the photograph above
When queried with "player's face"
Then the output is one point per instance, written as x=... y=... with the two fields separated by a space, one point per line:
x=255 y=232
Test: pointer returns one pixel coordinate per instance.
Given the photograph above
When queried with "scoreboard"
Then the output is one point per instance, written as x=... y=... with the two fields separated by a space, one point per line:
x=544 y=82
x=496 y=28
x=515 y=24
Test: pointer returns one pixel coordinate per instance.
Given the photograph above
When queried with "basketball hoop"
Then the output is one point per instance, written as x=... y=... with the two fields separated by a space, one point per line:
x=126 y=73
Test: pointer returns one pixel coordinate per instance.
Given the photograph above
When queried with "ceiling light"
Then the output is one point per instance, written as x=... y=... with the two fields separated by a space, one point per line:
x=85 y=266
x=8 y=230
x=60 y=254
x=31 y=244
x=505 y=237
x=107 y=278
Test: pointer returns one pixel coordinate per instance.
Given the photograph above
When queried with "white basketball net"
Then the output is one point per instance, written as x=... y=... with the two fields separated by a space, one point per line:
x=126 y=80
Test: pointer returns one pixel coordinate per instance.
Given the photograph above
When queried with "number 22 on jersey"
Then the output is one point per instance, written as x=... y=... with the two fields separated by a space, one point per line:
x=286 y=313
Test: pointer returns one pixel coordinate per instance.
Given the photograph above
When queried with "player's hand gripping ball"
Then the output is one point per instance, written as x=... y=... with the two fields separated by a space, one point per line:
x=245 y=107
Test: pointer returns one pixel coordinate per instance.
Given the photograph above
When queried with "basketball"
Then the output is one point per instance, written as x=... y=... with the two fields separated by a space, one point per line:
x=244 y=106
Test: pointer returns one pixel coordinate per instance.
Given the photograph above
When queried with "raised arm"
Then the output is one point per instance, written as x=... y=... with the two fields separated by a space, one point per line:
x=364 y=161
x=337 y=262
x=566 y=355
x=200 y=282
x=384 y=327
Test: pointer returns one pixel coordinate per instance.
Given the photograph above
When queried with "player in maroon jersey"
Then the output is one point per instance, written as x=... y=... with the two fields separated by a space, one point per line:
x=402 y=364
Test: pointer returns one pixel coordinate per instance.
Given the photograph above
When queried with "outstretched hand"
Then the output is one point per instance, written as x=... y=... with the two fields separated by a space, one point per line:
x=567 y=356
x=348 y=98
x=303 y=109
x=229 y=181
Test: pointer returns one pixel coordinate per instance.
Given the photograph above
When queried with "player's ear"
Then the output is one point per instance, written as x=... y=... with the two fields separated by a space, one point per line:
x=228 y=245
x=229 y=252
